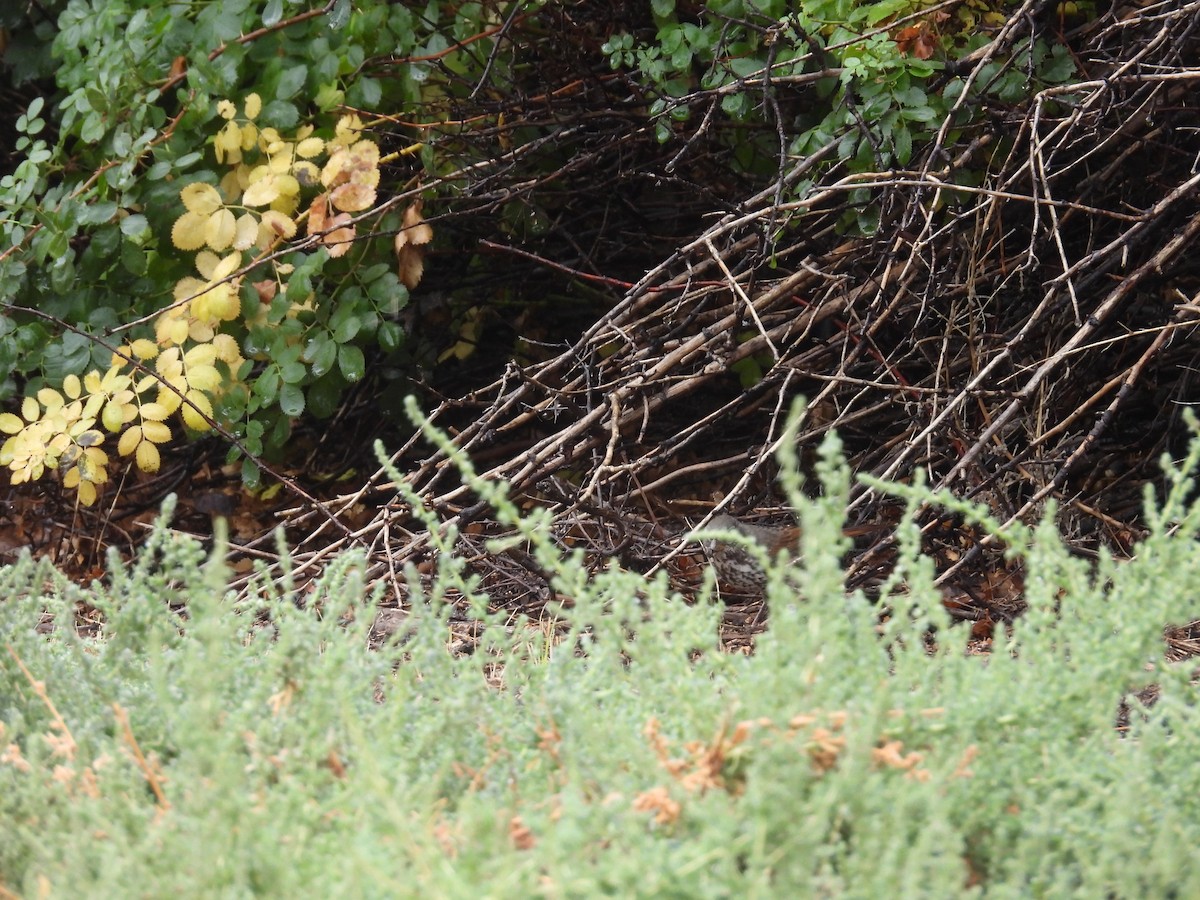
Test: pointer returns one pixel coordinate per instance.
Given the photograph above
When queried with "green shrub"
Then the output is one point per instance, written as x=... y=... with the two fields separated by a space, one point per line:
x=211 y=744
x=228 y=128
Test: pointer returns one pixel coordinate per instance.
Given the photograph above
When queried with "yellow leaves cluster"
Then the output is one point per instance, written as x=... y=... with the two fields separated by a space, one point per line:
x=57 y=431
x=204 y=302
x=189 y=377
x=228 y=217
x=234 y=139
x=254 y=206
x=350 y=176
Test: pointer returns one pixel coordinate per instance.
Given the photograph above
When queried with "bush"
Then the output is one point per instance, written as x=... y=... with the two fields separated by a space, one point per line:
x=254 y=744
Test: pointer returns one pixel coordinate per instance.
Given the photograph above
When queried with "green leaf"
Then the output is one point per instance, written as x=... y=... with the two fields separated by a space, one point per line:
x=1060 y=67
x=324 y=396
x=745 y=66
x=273 y=12
x=346 y=329
x=352 y=362
x=266 y=387
x=293 y=372
x=328 y=97
x=135 y=227
x=877 y=12
x=291 y=82
x=251 y=475
x=324 y=358
x=93 y=128
x=390 y=335
x=280 y=114
x=339 y=15
x=133 y=258
x=902 y=141
x=365 y=93
x=95 y=213
x=291 y=400
x=919 y=113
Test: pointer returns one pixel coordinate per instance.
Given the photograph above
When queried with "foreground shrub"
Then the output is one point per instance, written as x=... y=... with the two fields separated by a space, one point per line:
x=208 y=744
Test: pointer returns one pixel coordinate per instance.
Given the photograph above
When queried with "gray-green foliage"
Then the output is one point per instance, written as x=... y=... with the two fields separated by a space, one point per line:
x=296 y=760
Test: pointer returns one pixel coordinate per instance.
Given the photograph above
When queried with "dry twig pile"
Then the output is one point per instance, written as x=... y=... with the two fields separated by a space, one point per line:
x=1024 y=338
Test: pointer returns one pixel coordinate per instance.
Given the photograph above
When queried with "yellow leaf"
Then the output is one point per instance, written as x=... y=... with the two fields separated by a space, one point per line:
x=206 y=264
x=201 y=198
x=253 y=106
x=318 y=210
x=226 y=109
x=188 y=231
x=226 y=267
x=262 y=192
x=95 y=465
x=288 y=186
x=225 y=308
x=225 y=346
x=172 y=331
x=71 y=479
x=170 y=363
x=153 y=412
x=249 y=136
x=156 y=432
x=227 y=145
x=92 y=405
x=113 y=416
x=220 y=229
x=87 y=493
x=73 y=413
x=337 y=241
x=72 y=387
x=310 y=147
x=278 y=223
x=168 y=400
x=30 y=410
x=200 y=355
x=306 y=174
x=213 y=305
x=144 y=349
x=148 y=459
x=280 y=162
x=129 y=441
x=200 y=332
x=10 y=424
x=188 y=287
x=348 y=128
x=232 y=185
x=246 y=232
x=193 y=419
x=335 y=170
x=352 y=197
x=415 y=226
x=205 y=378
x=51 y=399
